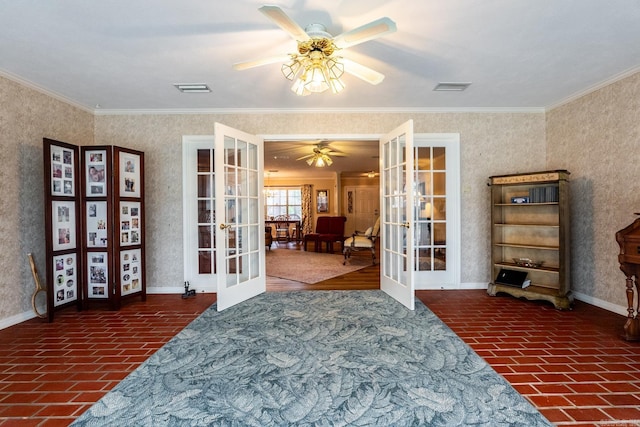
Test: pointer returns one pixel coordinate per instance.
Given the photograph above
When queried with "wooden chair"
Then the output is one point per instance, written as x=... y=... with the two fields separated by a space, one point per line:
x=296 y=230
x=282 y=229
x=362 y=241
x=268 y=238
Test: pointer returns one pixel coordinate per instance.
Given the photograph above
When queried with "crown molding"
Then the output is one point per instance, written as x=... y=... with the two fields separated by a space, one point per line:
x=29 y=84
x=368 y=110
x=594 y=88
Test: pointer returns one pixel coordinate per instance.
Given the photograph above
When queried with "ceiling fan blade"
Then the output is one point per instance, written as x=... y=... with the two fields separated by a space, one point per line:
x=370 y=31
x=259 y=62
x=283 y=21
x=362 y=72
x=305 y=157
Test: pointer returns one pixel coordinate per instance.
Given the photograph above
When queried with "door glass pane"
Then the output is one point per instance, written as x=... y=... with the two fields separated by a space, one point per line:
x=439 y=158
x=204 y=212
x=204 y=236
x=204 y=185
x=229 y=151
x=204 y=262
x=253 y=157
x=253 y=183
x=242 y=154
x=423 y=158
x=204 y=161
x=439 y=208
x=440 y=233
x=439 y=184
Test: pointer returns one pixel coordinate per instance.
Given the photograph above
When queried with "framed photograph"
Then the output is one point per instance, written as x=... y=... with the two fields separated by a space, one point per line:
x=65 y=279
x=130 y=271
x=97 y=275
x=96 y=224
x=62 y=171
x=130 y=223
x=63 y=225
x=322 y=201
x=129 y=175
x=96 y=173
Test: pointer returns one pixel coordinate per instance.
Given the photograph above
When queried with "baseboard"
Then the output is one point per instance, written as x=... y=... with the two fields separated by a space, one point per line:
x=618 y=309
x=451 y=286
x=17 y=318
x=614 y=308
x=180 y=290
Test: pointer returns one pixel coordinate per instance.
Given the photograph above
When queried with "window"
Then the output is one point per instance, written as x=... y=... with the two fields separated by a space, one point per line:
x=283 y=201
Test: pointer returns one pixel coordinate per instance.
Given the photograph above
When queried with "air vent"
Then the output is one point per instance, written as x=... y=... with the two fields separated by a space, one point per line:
x=192 y=87
x=451 y=86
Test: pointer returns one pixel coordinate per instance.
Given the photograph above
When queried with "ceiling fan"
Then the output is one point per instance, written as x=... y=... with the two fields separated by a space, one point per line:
x=316 y=66
x=320 y=156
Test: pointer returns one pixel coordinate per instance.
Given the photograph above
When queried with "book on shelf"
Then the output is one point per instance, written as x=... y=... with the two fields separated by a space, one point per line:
x=515 y=278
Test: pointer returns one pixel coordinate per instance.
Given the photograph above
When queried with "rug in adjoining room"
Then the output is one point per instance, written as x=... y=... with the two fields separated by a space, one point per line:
x=321 y=358
x=312 y=267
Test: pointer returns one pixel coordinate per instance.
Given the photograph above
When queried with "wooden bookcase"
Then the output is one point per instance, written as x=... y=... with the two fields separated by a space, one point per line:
x=530 y=233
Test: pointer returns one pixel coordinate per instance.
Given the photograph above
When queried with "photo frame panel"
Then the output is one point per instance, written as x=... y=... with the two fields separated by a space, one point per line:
x=63 y=171
x=96 y=173
x=65 y=277
x=129 y=172
x=322 y=201
x=130 y=271
x=130 y=223
x=97 y=275
x=63 y=225
x=96 y=224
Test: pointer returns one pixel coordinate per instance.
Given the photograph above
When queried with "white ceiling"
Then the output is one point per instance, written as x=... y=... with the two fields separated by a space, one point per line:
x=127 y=54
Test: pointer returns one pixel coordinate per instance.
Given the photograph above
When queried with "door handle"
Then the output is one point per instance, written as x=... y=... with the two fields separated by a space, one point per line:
x=224 y=226
x=405 y=225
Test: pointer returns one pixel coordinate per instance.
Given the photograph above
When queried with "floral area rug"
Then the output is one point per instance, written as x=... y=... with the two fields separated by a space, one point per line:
x=315 y=358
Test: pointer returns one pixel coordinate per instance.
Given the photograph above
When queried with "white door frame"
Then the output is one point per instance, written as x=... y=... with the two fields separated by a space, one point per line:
x=205 y=284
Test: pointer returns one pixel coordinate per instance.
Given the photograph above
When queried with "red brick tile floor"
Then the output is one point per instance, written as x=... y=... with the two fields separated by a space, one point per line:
x=572 y=365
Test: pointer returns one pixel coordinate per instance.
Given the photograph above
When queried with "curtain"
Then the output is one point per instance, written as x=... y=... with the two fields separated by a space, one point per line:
x=307 y=208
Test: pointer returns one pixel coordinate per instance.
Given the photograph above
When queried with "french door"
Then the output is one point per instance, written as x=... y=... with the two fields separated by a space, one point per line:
x=396 y=230
x=436 y=211
x=240 y=224
x=223 y=241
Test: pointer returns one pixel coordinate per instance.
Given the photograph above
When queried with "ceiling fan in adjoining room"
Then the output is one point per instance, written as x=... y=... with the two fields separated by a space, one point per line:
x=316 y=67
x=320 y=156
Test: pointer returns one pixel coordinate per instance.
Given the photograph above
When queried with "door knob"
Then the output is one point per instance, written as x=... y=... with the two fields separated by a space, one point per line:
x=405 y=225
x=224 y=226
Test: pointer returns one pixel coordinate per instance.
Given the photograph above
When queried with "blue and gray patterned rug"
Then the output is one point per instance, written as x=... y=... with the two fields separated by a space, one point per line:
x=315 y=358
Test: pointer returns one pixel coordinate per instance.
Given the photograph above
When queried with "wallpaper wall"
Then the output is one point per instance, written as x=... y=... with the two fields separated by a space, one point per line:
x=491 y=143
x=597 y=138
x=26 y=116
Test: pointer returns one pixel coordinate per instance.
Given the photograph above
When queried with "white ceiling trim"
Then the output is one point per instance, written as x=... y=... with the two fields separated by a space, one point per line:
x=116 y=112
x=594 y=88
x=16 y=79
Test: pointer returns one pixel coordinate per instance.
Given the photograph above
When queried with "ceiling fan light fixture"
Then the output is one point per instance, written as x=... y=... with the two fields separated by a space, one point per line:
x=336 y=85
x=299 y=88
x=291 y=70
x=317 y=80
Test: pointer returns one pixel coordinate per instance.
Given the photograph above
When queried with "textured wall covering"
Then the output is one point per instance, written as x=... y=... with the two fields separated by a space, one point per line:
x=597 y=138
x=27 y=116
x=491 y=143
